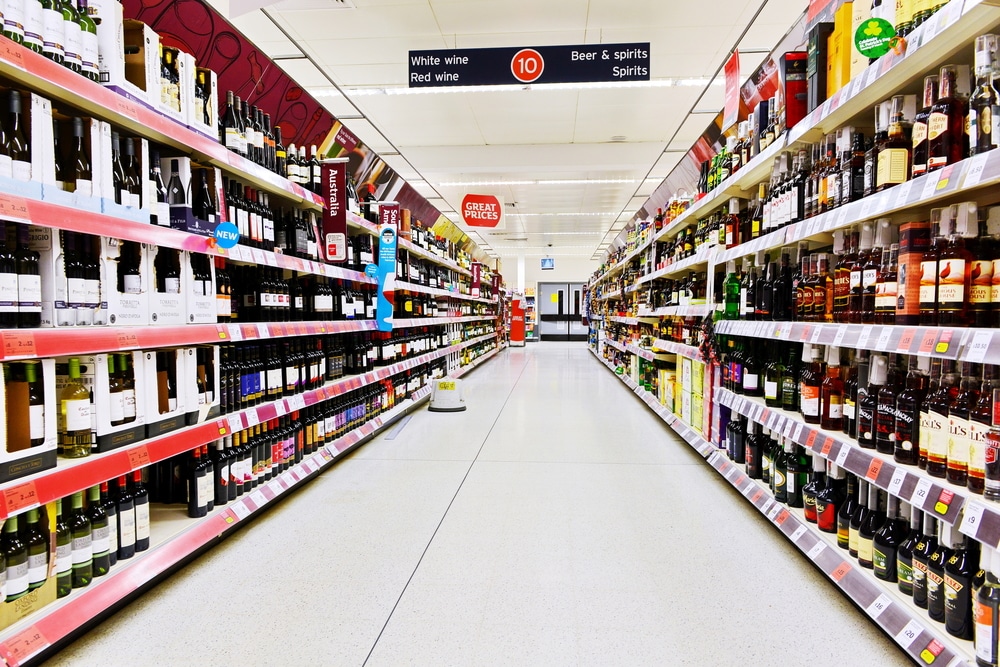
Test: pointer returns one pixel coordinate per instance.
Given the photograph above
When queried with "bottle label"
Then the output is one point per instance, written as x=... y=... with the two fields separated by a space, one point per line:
x=836 y=409
x=893 y=163
x=117 y=407
x=21 y=170
x=93 y=296
x=54 y=36
x=770 y=389
x=88 y=53
x=849 y=409
x=76 y=296
x=982 y=282
x=904 y=572
x=133 y=284
x=128 y=400
x=73 y=43
x=142 y=521
x=77 y=413
x=206 y=490
x=809 y=400
x=172 y=285
x=885 y=295
x=986 y=647
x=958 y=442
x=855 y=280
x=928 y=282
x=951 y=281
x=8 y=293
x=937 y=124
x=82 y=552
x=869 y=277
x=126 y=527
x=64 y=558
x=866 y=550
x=100 y=540
x=879 y=561
x=33 y=24
x=36 y=420
x=17 y=579
x=937 y=436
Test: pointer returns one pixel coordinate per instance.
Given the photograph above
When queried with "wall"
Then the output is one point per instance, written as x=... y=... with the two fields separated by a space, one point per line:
x=568 y=269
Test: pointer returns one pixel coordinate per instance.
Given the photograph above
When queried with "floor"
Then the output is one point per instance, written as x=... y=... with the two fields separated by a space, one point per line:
x=556 y=522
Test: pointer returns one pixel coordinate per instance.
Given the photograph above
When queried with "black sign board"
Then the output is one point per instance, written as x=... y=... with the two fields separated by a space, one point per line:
x=523 y=65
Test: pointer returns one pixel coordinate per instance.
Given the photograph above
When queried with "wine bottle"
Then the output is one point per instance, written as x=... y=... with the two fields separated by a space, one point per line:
x=132 y=180
x=64 y=553
x=74 y=415
x=99 y=532
x=73 y=37
x=38 y=551
x=17 y=142
x=176 y=189
x=125 y=509
x=127 y=373
x=15 y=554
x=111 y=511
x=83 y=557
x=80 y=176
x=140 y=499
x=947 y=140
x=36 y=404
x=54 y=35
x=89 y=60
x=29 y=281
x=204 y=202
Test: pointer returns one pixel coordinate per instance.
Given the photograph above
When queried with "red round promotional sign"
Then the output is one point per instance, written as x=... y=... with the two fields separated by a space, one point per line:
x=481 y=210
x=527 y=65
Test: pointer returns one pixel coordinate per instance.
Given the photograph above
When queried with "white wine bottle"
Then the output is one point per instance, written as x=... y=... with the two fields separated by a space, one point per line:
x=74 y=415
x=15 y=554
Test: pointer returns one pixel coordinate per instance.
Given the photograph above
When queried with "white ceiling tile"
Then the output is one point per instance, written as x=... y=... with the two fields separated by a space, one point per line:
x=406 y=20
x=513 y=16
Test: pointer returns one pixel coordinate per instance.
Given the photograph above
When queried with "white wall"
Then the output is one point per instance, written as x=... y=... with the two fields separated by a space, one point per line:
x=568 y=269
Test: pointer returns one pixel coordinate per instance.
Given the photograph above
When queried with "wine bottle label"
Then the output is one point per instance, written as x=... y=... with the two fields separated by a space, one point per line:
x=73 y=44
x=172 y=285
x=77 y=413
x=126 y=527
x=38 y=567
x=76 y=292
x=36 y=420
x=8 y=293
x=89 y=59
x=64 y=558
x=951 y=281
x=986 y=646
x=809 y=400
x=99 y=540
x=33 y=24
x=17 y=579
x=82 y=551
x=93 y=293
x=233 y=139
x=904 y=573
x=135 y=200
x=142 y=521
x=117 y=407
x=84 y=187
x=836 y=409
x=206 y=490
x=54 y=37
x=162 y=212
x=128 y=401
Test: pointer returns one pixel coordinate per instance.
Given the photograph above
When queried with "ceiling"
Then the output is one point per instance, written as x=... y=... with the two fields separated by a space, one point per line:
x=574 y=165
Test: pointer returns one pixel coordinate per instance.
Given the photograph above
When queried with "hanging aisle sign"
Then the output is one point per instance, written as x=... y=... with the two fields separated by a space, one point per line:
x=477 y=272
x=731 y=113
x=583 y=63
x=388 y=229
x=334 y=235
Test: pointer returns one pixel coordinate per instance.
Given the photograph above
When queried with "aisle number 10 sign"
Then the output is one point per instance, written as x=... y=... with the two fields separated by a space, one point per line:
x=527 y=65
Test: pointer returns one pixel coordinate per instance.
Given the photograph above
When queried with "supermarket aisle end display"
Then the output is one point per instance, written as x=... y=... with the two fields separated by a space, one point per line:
x=162 y=383
x=819 y=321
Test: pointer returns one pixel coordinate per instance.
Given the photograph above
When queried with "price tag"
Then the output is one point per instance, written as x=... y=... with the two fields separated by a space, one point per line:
x=972 y=516
x=23 y=645
x=128 y=340
x=839 y=338
x=909 y=634
x=976 y=352
x=263 y=331
x=21 y=497
x=841 y=571
x=842 y=454
x=258 y=498
x=906 y=340
x=902 y=194
x=798 y=432
x=127 y=108
x=235 y=423
x=281 y=408
x=870 y=75
x=138 y=457
x=896 y=483
x=866 y=333
x=815 y=335
x=756 y=496
x=296 y=475
x=816 y=550
x=252 y=418
x=880 y=604
x=241 y=510
x=975 y=173
x=235 y=331
x=275 y=486
x=797 y=533
x=827 y=446
x=921 y=492
x=927 y=342
x=873 y=469
x=787 y=428
x=774 y=512
x=857 y=85
x=883 y=339
x=12 y=54
x=866 y=207
x=767 y=505
x=811 y=440
x=930 y=185
x=18 y=344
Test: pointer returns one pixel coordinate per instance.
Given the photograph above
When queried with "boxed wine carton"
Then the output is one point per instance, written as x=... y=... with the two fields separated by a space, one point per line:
x=127 y=281
x=200 y=117
x=202 y=379
x=163 y=389
x=117 y=413
x=201 y=299
x=36 y=598
x=169 y=287
x=129 y=52
x=171 y=92
x=82 y=195
x=73 y=299
x=30 y=438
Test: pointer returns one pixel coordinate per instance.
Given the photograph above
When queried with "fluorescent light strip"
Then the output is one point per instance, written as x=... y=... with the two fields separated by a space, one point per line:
x=566 y=181
x=564 y=215
x=692 y=82
x=563 y=233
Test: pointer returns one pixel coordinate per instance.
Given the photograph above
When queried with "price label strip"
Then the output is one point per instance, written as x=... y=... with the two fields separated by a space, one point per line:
x=797 y=533
x=883 y=339
x=972 y=517
x=23 y=645
x=920 y=493
x=20 y=498
x=880 y=604
x=896 y=483
x=980 y=345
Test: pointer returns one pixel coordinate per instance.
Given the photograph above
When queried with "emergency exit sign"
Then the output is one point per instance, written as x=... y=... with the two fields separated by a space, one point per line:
x=583 y=63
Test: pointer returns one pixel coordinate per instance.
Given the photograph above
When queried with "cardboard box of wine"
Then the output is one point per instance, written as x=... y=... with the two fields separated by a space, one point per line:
x=172 y=99
x=202 y=383
x=169 y=286
x=30 y=438
x=163 y=389
x=129 y=52
x=198 y=112
x=126 y=281
x=119 y=404
x=35 y=599
x=72 y=298
x=200 y=277
x=80 y=194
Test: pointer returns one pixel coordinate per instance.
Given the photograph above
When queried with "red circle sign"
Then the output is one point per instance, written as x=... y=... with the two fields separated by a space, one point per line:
x=527 y=65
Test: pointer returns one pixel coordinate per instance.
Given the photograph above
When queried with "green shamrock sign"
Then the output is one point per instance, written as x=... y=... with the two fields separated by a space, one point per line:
x=874 y=37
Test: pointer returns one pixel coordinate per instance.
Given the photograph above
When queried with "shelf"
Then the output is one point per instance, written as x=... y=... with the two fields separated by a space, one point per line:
x=405 y=244
x=617 y=294
x=34 y=71
x=644 y=245
x=468 y=368
x=689 y=351
x=940 y=342
x=703 y=256
x=943 y=500
x=700 y=310
x=175 y=539
x=908 y=625
x=74 y=475
x=402 y=286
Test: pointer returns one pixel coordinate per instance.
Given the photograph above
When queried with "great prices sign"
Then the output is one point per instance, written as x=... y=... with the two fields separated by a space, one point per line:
x=483 y=211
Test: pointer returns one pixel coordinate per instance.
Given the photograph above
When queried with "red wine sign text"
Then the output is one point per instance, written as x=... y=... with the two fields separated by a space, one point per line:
x=521 y=65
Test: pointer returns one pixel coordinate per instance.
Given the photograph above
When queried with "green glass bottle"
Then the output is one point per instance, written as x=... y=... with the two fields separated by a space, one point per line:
x=83 y=555
x=15 y=554
x=100 y=537
x=54 y=32
x=88 y=42
x=64 y=554
x=731 y=292
x=38 y=551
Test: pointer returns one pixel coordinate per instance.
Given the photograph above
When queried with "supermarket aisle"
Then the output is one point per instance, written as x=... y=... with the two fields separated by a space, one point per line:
x=532 y=529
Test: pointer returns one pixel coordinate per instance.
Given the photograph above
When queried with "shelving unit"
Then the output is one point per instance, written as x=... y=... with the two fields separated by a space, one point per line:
x=530 y=315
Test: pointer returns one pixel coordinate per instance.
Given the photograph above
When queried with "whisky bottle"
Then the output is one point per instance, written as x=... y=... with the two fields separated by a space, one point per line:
x=919 y=134
x=984 y=97
x=947 y=140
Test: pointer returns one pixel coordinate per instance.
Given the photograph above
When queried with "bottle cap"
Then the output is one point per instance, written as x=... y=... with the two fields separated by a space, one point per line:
x=818 y=463
x=833 y=356
x=877 y=374
x=734 y=206
x=838 y=242
x=731 y=266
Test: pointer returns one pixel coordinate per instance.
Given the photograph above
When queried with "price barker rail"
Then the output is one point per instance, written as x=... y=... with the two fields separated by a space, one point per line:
x=948 y=502
x=899 y=618
x=69 y=477
x=34 y=71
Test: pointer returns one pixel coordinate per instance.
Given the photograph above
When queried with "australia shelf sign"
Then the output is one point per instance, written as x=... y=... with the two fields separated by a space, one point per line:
x=584 y=63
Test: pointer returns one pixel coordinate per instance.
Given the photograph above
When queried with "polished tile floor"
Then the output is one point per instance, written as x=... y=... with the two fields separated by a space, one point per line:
x=555 y=522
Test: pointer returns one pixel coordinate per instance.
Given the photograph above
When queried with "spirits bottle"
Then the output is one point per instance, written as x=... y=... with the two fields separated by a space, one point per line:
x=816 y=484
x=829 y=502
x=959 y=570
x=859 y=518
x=980 y=420
x=907 y=412
x=939 y=405
x=984 y=97
x=954 y=269
x=810 y=379
x=856 y=296
x=846 y=512
x=959 y=442
x=919 y=152
x=894 y=157
x=947 y=140
x=986 y=612
x=904 y=554
x=940 y=222
x=887 y=287
x=731 y=291
x=868 y=401
x=888 y=539
x=832 y=392
x=885 y=406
